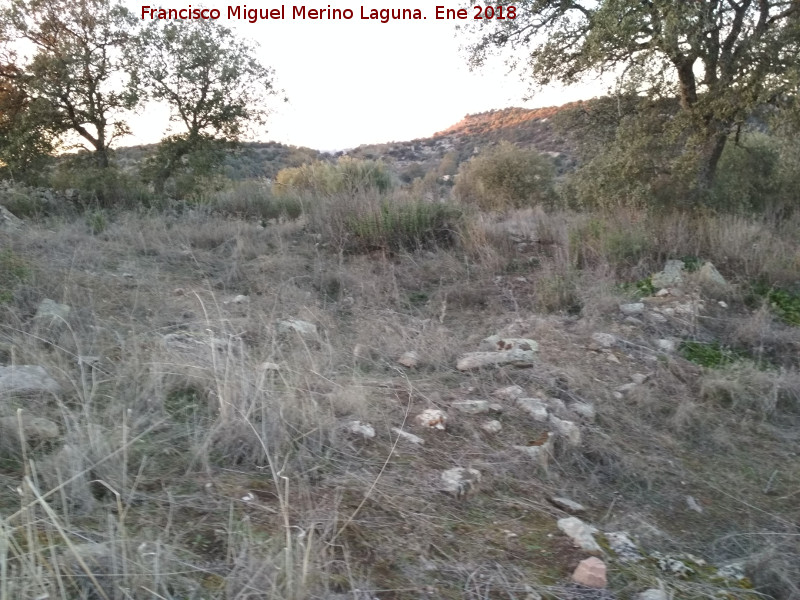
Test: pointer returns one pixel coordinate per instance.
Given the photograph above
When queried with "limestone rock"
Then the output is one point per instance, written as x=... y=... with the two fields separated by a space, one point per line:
x=27 y=379
x=492 y=426
x=460 y=481
x=365 y=430
x=409 y=437
x=8 y=221
x=504 y=344
x=623 y=546
x=567 y=430
x=476 y=360
x=512 y=392
x=302 y=328
x=535 y=407
x=409 y=359
x=604 y=340
x=591 y=573
x=567 y=505
x=472 y=407
x=584 y=410
x=633 y=308
x=50 y=310
x=666 y=345
x=652 y=594
x=708 y=274
x=432 y=418
x=671 y=276
x=639 y=378
x=582 y=535
x=540 y=451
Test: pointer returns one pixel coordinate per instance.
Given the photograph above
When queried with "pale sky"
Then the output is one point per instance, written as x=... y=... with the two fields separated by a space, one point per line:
x=352 y=82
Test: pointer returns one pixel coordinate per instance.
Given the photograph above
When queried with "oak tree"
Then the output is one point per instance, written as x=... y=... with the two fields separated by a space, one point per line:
x=721 y=58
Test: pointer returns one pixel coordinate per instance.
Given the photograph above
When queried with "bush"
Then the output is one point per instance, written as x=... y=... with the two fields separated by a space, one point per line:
x=253 y=199
x=104 y=188
x=365 y=222
x=13 y=271
x=506 y=177
x=346 y=176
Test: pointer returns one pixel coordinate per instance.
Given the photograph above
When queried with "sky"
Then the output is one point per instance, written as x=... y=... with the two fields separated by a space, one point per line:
x=361 y=81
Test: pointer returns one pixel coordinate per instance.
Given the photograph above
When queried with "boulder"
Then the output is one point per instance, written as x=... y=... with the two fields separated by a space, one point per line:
x=708 y=274
x=583 y=409
x=566 y=429
x=591 y=573
x=632 y=308
x=567 y=505
x=582 y=535
x=27 y=379
x=539 y=450
x=8 y=221
x=460 y=481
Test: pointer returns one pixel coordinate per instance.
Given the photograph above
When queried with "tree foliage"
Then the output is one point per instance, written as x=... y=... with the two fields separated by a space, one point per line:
x=720 y=58
x=73 y=76
x=213 y=84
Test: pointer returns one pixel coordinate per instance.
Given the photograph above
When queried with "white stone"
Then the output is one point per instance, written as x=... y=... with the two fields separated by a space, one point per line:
x=722 y=304
x=460 y=481
x=708 y=273
x=410 y=437
x=241 y=299
x=625 y=388
x=568 y=505
x=433 y=418
x=693 y=504
x=666 y=345
x=535 y=407
x=409 y=359
x=476 y=360
x=492 y=426
x=583 y=409
x=512 y=392
x=582 y=535
x=27 y=379
x=540 y=453
x=566 y=429
x=633 y=308
x=639 y=378
x=365 y=430
x=302 y=328
x=652 y=594
x=604 y=340
x=472 y=407
x=497 y=343
x=623 y=546
x=671 y=276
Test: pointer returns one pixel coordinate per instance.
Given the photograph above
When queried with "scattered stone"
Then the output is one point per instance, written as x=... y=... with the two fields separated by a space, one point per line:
x=672 y=565
x=492 y=426
x=625 y=388
x=617 y=395
x=633 y=321
x=583 y=409
x=652 y=594
x=694 y=505
x=582 y=535
x=241 y=299
x=27 y=379
x=671 y=276
x=708 y=274
x=663 y=292
x=497 y=343
x=35 y=431
x=535 y=407
x=365 y=430
x=414 y=439
x=633 y=308
x=126 y=275
x=302 y=328
x=604 y=340
x=50 y=310
x=472 y=407
x=409 y=359
x=495 y=407
x=734 y=571
x=516 y=356
x=656 y=317
x=556 y=406
x=567 y=505
x=460 y=481
x=691 y=308
x=566 y=429
x=539 y=451
x=612 y=358
x=512 y=392
x=591 y=573
x=639 y=378
x=722 y=304
x=623 y=546
x=433 y=418
x=666 y=345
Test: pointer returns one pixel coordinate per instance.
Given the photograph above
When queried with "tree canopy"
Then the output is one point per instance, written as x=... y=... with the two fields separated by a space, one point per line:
x=721 y=58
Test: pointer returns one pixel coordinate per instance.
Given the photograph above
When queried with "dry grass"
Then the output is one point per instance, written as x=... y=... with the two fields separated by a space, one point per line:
x=188 y=469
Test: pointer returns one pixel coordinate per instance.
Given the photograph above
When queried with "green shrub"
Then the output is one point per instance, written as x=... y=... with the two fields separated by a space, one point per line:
x=710 y=355
x=346 y=176
x=506 y=177
x=253 y=199
x=104 y=188
x=785 y=304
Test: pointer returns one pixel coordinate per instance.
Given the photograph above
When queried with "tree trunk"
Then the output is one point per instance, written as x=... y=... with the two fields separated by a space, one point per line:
x=709 y=154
